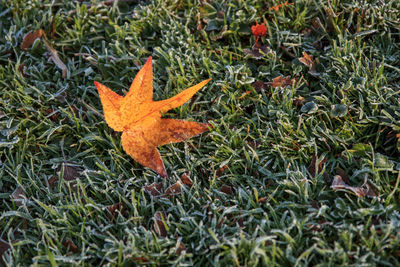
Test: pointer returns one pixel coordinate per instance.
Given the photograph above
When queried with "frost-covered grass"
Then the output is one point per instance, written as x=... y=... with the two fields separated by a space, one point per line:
x=69 y=194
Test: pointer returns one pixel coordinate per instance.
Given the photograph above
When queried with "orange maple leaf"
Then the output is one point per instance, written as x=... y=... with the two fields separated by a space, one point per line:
x=138 y=117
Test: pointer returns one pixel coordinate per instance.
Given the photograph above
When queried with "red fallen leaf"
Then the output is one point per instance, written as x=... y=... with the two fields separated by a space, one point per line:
x=112 y=210
x=4 y=246
x=364 y=190
x=281 y=81
x=154 y=189
x=159 y=218
x=70 y=245
x=138 y=117
x=308 y=60
x=185 y=178
x=226 y=189
x=174 y=189
x=280 y=5
x=259 y=30
x=181 y=248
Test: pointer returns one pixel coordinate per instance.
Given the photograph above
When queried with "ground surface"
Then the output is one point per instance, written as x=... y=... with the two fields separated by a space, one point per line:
x=261 y=192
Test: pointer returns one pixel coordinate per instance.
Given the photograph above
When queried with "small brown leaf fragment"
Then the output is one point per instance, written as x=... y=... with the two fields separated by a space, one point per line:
x=221 y=170
x=299 y=102
x=308 y=60
x=70 y=170
x=174 y=189
x=52 y=115
x=342 y=173
x=312 y=168
x=19 y=196
x=281 y=81
x=260 y=86
x=315 y=204
x=185 y=178
x=53 y=181
x=226 y=189
x=21 y=69
x=70 y=245
x=4 y=246
x=154 y=189
x=56 y=59
x=181 y=248
x=30 y=38
x=363 y=190
x=220 y=223
x=262 y=199
x=241 y=222
x=112 y=210
x=159 y=218
x=141 y=259
x=257 y=51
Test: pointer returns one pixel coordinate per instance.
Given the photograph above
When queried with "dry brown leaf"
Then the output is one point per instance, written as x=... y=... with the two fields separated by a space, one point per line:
x=260 y=86
x=139 y=118
x=281 y=81
x=30 y=38
x=221 y=170
x=313 y=168
x=4 y=246
x=70 y=245
x=181 y=248
x=308 y=60
x=257 y=51
x=174 y=189
x=226 y=189
x=159 y=218
x=262 y=199
x=56 y=59
x=185 y=178
x=363 y=190
x=70 y=170
x=155 y=189
x=19 y=196
x=299 y=101
x=112 y=210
